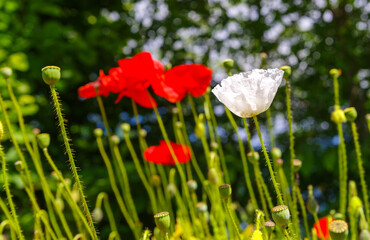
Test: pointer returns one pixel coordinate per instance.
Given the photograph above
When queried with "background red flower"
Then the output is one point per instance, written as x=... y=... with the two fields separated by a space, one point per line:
x=324 y=225
x=160 y=154
x=89 y=90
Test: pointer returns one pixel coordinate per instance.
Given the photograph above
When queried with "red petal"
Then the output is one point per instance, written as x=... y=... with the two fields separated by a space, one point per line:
x=161 y=154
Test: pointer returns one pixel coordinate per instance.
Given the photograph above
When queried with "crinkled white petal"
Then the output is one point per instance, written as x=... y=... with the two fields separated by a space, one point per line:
x=248 y=94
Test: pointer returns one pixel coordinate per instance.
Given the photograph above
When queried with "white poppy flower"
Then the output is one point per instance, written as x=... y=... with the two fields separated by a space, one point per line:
x=248 y=94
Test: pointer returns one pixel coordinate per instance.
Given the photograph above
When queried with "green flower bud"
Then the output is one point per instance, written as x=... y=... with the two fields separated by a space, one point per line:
x=280 y=162
x=156 y=180
x=228 y=64
x=171 y=189
x=276 y=153
x=97 y=214
x=225 y=191
x=365 y=235
x=280 y=214
x=54 y=175
x=214 y=146
x=312 y=205
x=6 y=72
x=202 y=207
x=51 y=75
x=213 y=176
x=192 y=185
x=143 y=133
x=36 y=131
x=354 y=206
x=253 y=158
x=338 y=116
x=44 y=140
x=335 y=72
x=287 y=71
x=19 y=166
x=200 y=129
x=179 y=125
x=257 y=235
x=263 y=56
x=351 y=114
x=175 y=110
x=1 y=131
x=163 y=221
x=115 y=139
x=297 y=164
x=213 y=158
x=126 y=127
x=59 y=204
x=76 y=195
x=338 y=230
x=98 y=132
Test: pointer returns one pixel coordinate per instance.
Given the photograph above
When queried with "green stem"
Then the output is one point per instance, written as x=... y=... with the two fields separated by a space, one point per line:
x=244 y=159
x=236 y=229
x=361 y=170
x=110 y=215
x=304 y=212
x=271 y=128
x=9 y=195
x=343 y=180
x=116 y=192
x=61 y=121
x=277 y=190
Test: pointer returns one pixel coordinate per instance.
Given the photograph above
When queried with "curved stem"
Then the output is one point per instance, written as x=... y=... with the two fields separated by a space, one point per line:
x=236 y=229
x=61 y=121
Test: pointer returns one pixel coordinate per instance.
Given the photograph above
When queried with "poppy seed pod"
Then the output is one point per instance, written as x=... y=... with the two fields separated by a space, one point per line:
x=201 y=207
x=365 y=235
x=156 y=180
x=228 y=64
x=126 y=128
x=338 y=116
x=351 y=114
x=276 y=153
x=97 y=214
x=44 y=140
x=270 y=226
x=19 y=166
x=6 y=72
x=287 y=71
x=225 y=191
x=335 y=72
x=338 y=230
x=163 y=221
x=115 y=139
x=192 y=185
x=98 y=132
x=253 y=157
x=280 y=214
x=51 y=75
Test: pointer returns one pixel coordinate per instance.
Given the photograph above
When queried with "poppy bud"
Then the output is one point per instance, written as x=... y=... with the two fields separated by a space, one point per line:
x=75 y=196
x=179 y=125
x=213 y=176
x=228 y=64
x=335 y=72
x=280 y=162
x=59 y=204
x=257 y=235
x=171 y=189
x=44 y=140
x=276 y=153
x=253 y=158
x=36 y=131
x=225 y=191
x=163 y=221
x=297 y=164
x=192 y=185
x=338 y=230
x=214 y=146
x=6 y=72
x=19 y=166
x=200 y=129
x=68 y=181
x=263 y=56
x=354 y=206
x=115 y=139
x=143 y=133
x=202 y=207
x=54 y=175
x=126 y=127
x=213 y=158
x=351 y=114
x=312 y=205
x=338 y=116
x=1 y=131
x=98 y=132
x=97 y=214
x=287 y=71
x=175 y=110
x=280 y=214
x=156 y=180
x=365 y=235
x=51 y=75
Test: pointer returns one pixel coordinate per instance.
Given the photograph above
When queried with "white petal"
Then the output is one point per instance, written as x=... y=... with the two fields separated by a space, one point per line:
x=248 y=94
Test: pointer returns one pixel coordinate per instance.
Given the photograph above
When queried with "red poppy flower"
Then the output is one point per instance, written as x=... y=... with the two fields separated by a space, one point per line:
x=161 y=154
x=140 y=95
x=181 y=80
x=324 y=225
x=89 y=90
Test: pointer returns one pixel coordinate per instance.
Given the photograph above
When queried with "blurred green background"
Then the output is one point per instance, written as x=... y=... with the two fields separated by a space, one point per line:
x=87 y=35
